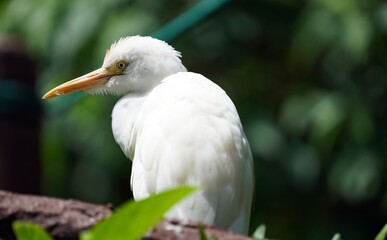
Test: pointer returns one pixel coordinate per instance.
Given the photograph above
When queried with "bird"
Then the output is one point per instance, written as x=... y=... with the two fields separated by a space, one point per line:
x=178 y=127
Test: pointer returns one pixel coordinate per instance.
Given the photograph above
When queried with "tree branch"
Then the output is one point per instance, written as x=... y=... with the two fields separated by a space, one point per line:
x=63 y=219
x=66 y=219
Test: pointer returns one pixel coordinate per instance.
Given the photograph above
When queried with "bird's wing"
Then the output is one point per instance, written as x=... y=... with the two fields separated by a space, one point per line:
x=189 y=133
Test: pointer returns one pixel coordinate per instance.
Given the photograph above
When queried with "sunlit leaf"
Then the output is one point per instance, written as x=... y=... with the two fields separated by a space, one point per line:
x=260 y=232
x=337 y=236
x=382 y=234
x=133 y=219
x=29 y=231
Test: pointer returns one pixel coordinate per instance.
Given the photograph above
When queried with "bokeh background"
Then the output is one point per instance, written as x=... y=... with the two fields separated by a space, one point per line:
x=309 y=79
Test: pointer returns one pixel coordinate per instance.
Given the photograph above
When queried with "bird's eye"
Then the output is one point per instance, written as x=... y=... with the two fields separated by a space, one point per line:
x=121 y=65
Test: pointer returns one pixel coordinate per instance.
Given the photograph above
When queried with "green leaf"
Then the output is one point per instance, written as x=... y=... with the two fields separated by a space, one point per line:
x=202 y=234
x=29 y=231
x=382 y=234
x=133 y=219
x=86 y=235
x=337 y=236
x=260 y=232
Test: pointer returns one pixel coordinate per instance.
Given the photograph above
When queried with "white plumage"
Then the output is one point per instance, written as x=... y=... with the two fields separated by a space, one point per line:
x=178 y=128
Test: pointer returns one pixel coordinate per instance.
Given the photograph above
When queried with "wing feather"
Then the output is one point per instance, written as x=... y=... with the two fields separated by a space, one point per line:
x=188 y=132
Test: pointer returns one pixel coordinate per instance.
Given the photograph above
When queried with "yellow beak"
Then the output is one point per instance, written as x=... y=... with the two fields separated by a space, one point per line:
x=93 y=79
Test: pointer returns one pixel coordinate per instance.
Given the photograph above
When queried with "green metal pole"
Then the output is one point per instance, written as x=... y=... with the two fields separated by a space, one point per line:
x=189 y=19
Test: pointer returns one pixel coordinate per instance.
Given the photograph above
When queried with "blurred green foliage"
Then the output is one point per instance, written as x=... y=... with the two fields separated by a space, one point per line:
x=308 y=78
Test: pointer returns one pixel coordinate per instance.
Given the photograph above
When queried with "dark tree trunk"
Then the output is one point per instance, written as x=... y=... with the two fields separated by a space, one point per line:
x=19 y=119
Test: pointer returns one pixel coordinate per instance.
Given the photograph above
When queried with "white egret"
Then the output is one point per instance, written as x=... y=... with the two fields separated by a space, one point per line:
x=178 y=128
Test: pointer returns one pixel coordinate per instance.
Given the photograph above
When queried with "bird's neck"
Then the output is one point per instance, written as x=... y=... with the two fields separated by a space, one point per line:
x=124 y=118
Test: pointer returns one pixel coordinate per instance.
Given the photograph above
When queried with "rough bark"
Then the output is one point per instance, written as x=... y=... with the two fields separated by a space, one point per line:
x=65 y=219
x=175 y=230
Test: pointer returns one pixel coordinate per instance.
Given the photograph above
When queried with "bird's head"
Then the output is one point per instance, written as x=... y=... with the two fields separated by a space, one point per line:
x=132 y=64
